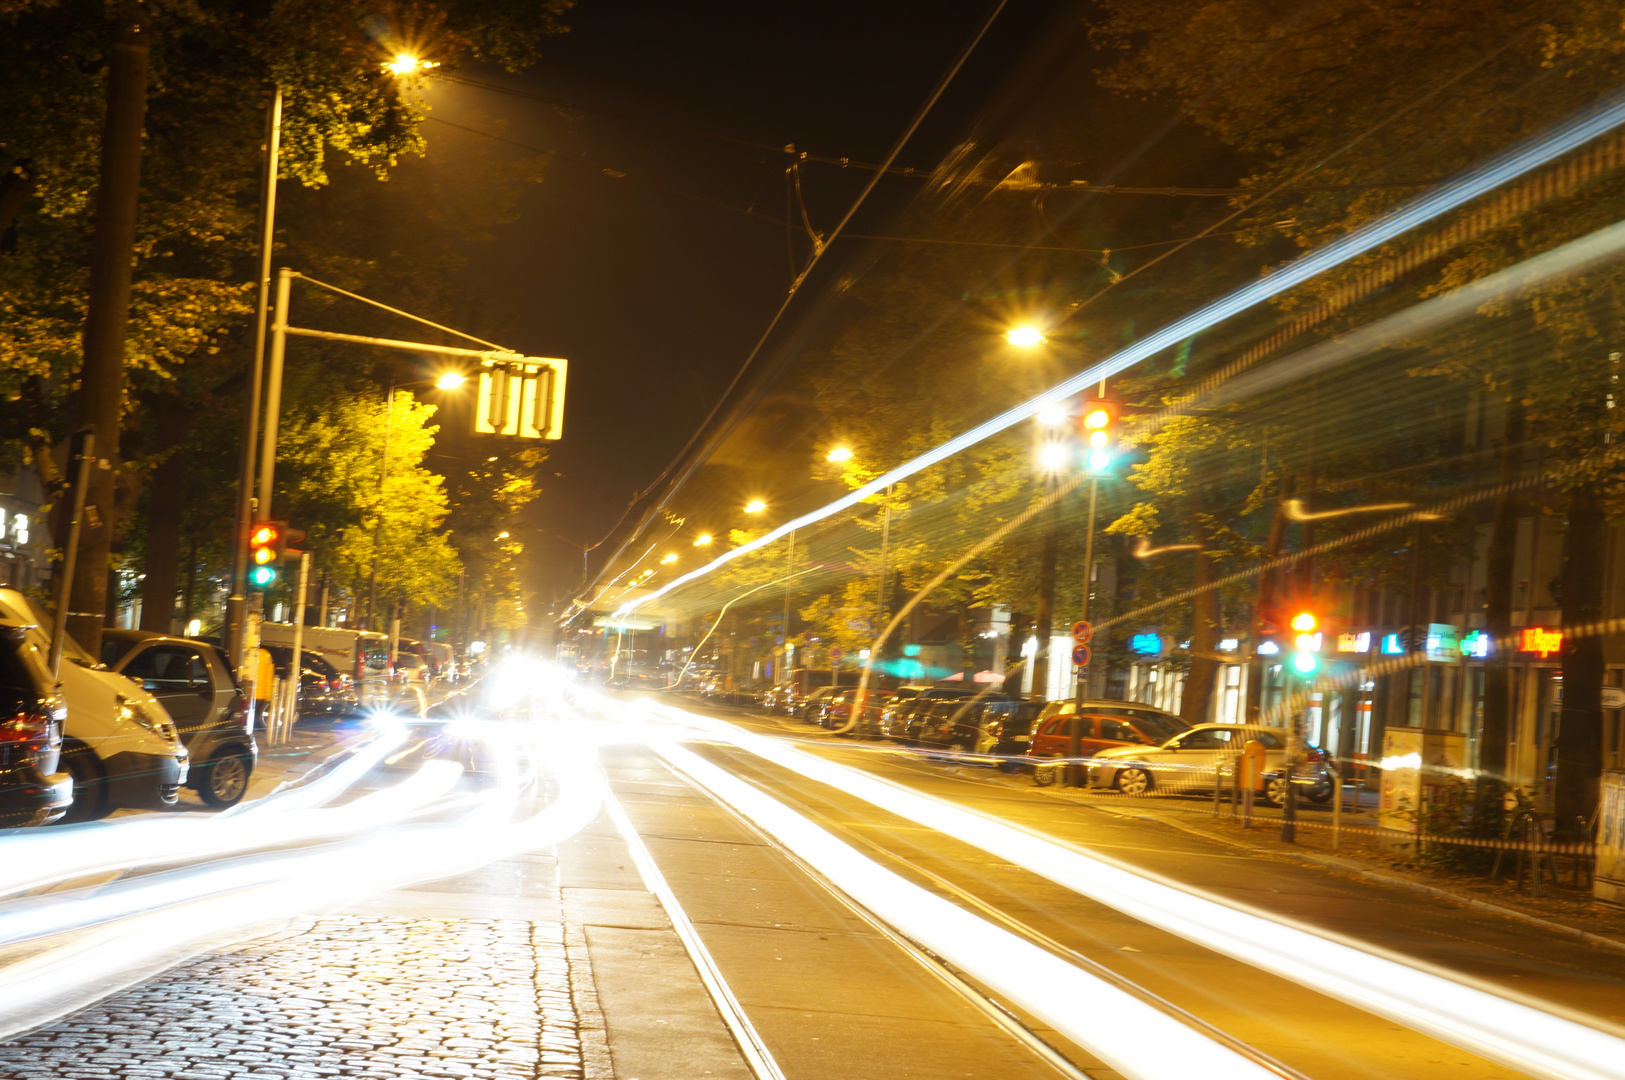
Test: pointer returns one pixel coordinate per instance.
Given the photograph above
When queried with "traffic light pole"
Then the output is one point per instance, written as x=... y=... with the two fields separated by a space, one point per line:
x=236 y=601
x=1074 y=733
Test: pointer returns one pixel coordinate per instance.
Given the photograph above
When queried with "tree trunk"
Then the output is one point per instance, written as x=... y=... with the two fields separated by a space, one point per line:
x=15 y=188
x=166 y=492
x=1500 y=574
x=101 y=380
x=1015 y=665
x=1206 y=616
x=1579 y=731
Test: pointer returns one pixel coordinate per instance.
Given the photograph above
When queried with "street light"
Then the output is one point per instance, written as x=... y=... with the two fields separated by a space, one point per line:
x=451 y=380
x=755 y=506
x=407 y=64
x=840 y=453
x=1052 y=456
x=703 y=540
x=670 y=557
x=1025 y=337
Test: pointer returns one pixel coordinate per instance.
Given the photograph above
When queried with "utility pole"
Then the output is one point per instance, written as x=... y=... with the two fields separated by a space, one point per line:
x=1044 y=609
x=1074 y=733
x=100 y=404
x=236 y=601
x=789 y=572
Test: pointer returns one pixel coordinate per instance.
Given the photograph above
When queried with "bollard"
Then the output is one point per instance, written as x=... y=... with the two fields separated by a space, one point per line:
x=1337 y=808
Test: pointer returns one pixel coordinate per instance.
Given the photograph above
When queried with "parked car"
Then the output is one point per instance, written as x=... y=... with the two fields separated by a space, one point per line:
x=194 y=684
x=32 y=790
x=1190 y=760
x=836 y=709
x=983 y=725
x=776 y=700
x=807 y=708
x=963 y=723
x=1102 y=730
x=902 y=719
x=323 y=689
x=118 y=743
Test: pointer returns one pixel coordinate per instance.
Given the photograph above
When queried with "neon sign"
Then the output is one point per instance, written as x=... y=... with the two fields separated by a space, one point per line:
x=1538 y=639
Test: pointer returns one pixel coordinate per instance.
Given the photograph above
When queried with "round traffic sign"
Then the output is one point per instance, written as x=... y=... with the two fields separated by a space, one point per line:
x=1082 y=632
x=1081 y=655
x=836 y=653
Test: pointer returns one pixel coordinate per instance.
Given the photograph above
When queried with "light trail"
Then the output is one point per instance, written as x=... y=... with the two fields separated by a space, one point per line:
x=1524 y=1034
x=1532 y=153
x=36 y=859
x=168 y=917
x=1140 y=1042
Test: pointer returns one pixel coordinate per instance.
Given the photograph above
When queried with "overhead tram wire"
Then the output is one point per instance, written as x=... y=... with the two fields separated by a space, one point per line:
x=1078 y=187
x=1602 y=117
x=795 y=288
x=612 y=173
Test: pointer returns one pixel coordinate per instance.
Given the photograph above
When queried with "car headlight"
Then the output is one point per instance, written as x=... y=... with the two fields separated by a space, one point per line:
x=139 y=713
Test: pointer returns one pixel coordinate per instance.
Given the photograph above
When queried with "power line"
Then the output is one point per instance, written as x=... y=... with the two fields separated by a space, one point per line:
x=795 y=288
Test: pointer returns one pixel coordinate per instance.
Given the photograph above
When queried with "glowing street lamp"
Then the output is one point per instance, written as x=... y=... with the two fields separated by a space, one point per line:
x=670 y=557
x=407 y=64
x=840 y=453
x=1025 y=337
x=703 y=540
x=451 y=380
x=755 y=506
x=1053 y=456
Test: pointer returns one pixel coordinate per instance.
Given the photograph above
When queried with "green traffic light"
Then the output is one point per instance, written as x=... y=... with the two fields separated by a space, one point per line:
x=1306 y=663
x=262 y=576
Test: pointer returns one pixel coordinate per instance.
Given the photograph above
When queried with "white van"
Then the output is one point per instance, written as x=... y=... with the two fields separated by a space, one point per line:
x=118 y=743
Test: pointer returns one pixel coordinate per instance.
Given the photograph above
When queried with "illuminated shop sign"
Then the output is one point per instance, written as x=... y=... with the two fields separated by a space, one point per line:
x=1146 y=644
x=1443 y=641
x=1538 y=639
x=1392 y=645
x=1476 y=644
x=1355 y=643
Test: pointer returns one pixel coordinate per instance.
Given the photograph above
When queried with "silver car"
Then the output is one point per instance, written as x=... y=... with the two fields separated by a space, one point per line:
x=1191 y=760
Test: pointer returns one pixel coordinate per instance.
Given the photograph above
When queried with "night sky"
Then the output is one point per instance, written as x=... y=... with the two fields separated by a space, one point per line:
x=657 y=298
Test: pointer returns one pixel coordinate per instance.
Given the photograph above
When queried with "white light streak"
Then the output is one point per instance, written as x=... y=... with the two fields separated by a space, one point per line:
x=1526 y=1035
x=1604 y=116
x=1140 y=1042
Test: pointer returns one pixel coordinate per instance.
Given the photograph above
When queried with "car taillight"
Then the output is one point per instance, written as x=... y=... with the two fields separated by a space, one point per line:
x=29 y=732
x=335 y=685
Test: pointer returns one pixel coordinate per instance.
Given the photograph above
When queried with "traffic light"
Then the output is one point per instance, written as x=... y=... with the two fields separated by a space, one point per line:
x=1097 y=426
x=266 y=549
x=1306 y=661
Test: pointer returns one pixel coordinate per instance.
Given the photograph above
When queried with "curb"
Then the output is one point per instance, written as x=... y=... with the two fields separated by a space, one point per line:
x=1349 y=866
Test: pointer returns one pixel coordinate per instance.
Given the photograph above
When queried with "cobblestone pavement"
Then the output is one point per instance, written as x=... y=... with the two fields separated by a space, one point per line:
x=336 y=996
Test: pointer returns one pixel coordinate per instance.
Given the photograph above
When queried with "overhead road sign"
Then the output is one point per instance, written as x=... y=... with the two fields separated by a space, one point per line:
x=521 y=396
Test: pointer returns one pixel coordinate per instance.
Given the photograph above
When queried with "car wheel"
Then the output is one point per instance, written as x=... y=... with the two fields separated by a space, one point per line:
x=1133 y=782
x=89 y=792
x=1274 y=793
x=225 y=779
x=1044 y=774
x=1321 y=793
